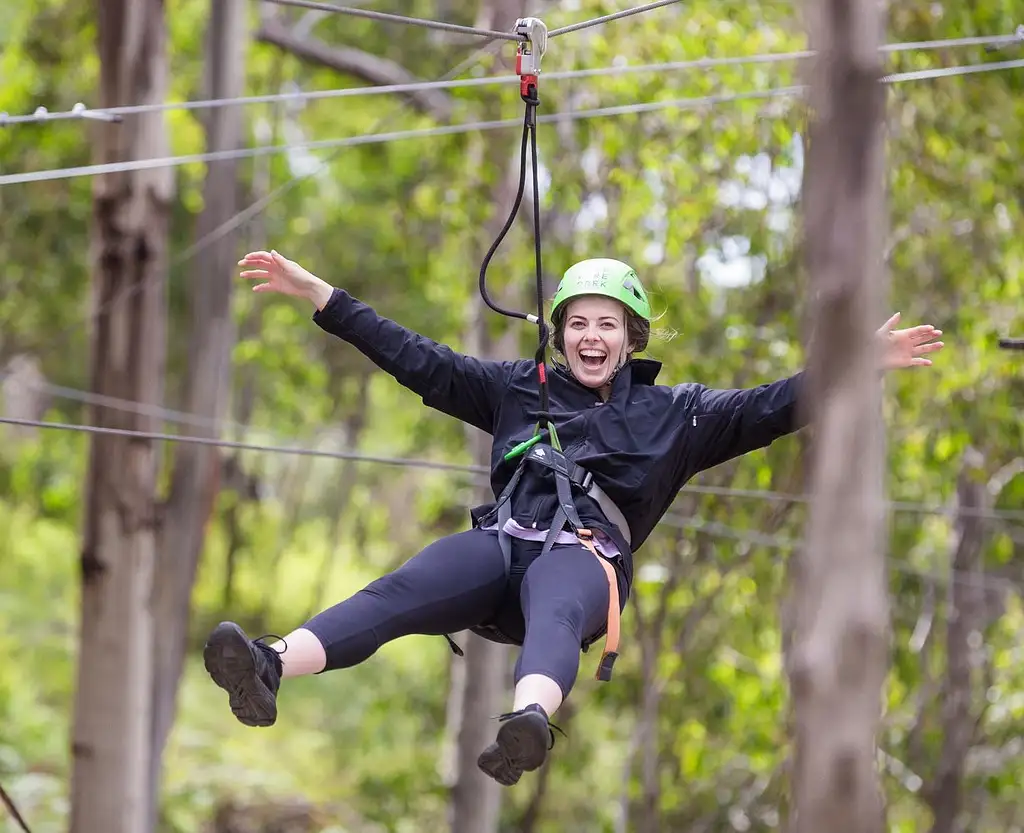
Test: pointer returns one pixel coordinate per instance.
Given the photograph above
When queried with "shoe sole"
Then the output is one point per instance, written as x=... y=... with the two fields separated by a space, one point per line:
x=229 y=661
x=521 y=746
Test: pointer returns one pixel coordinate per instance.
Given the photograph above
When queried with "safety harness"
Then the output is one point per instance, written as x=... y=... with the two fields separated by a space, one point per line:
x=568 y=475
x=571 y=480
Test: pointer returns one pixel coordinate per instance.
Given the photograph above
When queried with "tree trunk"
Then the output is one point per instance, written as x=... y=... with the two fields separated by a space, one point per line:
x=837 y=656
x=965 y=620
x=476 y=688
x=194 y=484
x=111 y=734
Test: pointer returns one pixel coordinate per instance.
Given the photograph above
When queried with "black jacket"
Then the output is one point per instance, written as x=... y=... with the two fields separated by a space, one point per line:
x=641 y=446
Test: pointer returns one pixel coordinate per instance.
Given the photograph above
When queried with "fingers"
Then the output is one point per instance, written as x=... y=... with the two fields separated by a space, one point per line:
x=255 y=273
x=929 y=348
x=923 y=333
x=256 y=257
x=888 y=325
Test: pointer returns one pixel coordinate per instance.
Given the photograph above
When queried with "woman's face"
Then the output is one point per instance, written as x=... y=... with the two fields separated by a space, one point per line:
x=594 y=338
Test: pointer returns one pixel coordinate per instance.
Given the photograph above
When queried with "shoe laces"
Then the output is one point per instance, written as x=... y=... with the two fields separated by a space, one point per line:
x=536 y=710
x=273 y=653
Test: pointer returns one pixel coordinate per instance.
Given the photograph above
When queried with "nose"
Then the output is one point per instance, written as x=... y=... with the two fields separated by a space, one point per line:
x=592 y=333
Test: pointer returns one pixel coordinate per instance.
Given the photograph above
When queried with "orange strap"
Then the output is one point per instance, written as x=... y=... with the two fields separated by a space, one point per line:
x=611 y=637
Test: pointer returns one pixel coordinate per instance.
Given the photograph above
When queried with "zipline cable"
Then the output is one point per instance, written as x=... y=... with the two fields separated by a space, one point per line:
x=467 y=30
x=952 y=575
x=395 y=18
x=491 y=80
x=300 y=451
x=183 y=418
x=468 y=127
x=259 y=205
x=409 y=87
x=240 y=218
x=597 y=21
x=13 y=810
x=713 y=528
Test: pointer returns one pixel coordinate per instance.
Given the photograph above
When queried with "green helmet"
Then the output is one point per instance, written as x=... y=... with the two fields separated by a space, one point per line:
x=603 y=276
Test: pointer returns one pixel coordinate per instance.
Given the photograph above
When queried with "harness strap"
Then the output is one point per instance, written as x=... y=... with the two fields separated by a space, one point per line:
x=611 y=637
x=566 y=474
x=611 y=511
x=556 y=461
x=504 y=540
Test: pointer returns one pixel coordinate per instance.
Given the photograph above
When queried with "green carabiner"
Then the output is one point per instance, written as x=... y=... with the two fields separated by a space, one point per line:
x=523 y=446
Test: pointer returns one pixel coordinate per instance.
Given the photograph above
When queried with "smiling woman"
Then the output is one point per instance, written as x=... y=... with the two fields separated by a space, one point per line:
x=601 y=317
x=518 y=575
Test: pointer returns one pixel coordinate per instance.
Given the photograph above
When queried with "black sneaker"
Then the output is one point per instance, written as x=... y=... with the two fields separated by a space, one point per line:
x=521 y=746
x=248 y=670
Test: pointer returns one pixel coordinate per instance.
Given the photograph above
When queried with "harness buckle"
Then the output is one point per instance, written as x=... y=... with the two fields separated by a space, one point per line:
x=604 y=667
x=529 y=53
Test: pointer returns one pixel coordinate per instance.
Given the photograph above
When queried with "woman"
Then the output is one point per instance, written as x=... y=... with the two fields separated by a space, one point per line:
x=631 y=445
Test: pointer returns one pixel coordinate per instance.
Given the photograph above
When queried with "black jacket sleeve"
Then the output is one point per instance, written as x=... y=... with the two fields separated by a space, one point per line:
x=461 y=386
x=729 y=423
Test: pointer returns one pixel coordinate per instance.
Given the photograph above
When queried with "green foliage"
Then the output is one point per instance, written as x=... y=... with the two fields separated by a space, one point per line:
x=403 y=226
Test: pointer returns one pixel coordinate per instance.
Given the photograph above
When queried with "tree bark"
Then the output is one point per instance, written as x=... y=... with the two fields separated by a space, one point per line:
x=477 y=686
x=196 y=475
x=964 y=623
x=477 y=689
x=837 y=654
x=111 y=734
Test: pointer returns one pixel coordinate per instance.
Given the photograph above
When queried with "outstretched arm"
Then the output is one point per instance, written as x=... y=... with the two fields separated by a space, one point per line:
x=462 y=386
x=728 y=423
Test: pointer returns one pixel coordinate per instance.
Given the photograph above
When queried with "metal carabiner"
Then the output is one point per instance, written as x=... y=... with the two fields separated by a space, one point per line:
x=530 y=51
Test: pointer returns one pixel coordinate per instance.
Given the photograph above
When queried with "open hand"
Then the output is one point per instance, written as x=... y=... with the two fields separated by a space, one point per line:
x=908 y=347
x=281 y=275
x=285 y=276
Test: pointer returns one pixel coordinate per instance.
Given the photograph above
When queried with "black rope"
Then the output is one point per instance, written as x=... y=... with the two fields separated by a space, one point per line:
x=508 y=224
x=532 y=100
x=529 y=95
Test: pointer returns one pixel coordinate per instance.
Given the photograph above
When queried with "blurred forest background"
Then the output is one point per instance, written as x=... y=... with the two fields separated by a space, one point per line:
x=703 y=200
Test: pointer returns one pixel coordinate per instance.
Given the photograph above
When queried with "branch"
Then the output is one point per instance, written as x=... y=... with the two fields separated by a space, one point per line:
x=363 y=65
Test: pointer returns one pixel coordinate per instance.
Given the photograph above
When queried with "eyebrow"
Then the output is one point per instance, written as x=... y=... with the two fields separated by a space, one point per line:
x=579 y=317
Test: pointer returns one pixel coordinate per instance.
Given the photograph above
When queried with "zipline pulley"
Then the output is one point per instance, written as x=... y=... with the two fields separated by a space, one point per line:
x=531 y=50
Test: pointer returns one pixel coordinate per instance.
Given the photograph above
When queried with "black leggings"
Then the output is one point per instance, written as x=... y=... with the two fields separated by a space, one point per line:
x=548 y=605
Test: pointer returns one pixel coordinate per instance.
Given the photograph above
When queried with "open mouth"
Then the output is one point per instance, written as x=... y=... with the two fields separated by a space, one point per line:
x=592 y=359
